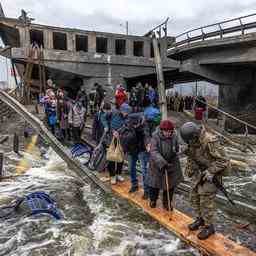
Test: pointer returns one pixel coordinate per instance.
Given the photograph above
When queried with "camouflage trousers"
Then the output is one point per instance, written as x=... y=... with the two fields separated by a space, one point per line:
x=204 y=205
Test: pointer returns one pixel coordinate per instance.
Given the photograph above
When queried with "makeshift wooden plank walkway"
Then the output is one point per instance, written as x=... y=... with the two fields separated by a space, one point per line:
x=177 y=222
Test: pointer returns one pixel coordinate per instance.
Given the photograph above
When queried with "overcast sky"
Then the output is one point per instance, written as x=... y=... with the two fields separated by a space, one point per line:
x=107 y=15
x=142 y=15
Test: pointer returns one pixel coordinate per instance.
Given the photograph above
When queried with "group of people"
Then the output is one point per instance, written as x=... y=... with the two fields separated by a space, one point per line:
x=179 y=103
x=139 y=96
x=64 y=116
x=155 y=145
x=152 y=142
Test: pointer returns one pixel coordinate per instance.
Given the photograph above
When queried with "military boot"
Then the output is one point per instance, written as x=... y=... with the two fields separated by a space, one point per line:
x=196 y=224
x=206 y=232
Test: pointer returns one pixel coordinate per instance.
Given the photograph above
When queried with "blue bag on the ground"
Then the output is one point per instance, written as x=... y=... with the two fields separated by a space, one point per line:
x=81 y=149
x=40 y=202
x=32 y=204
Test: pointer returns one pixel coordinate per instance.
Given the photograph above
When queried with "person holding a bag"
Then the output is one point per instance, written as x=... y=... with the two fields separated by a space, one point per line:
x=113 y=126
x=164 y=166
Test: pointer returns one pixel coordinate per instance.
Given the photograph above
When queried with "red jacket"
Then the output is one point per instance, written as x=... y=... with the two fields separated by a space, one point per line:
x=120 y=96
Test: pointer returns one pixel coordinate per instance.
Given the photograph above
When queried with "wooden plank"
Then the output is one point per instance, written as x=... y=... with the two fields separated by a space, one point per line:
x=217 y=244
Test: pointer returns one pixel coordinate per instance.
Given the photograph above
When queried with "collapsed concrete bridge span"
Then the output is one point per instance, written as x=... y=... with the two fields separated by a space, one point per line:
x=82 y=56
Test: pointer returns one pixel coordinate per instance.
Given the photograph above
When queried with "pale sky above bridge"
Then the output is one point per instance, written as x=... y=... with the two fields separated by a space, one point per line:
x=142 y=15
x=107 y=15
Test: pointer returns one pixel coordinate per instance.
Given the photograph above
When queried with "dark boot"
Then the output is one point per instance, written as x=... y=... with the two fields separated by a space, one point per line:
x=152 y=204
x=206 y=232
x=145 y=196
x=134 y=188
x=196 y=224
x=166 y=207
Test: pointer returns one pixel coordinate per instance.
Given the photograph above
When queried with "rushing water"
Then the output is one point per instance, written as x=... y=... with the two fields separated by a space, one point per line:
x=92 y=224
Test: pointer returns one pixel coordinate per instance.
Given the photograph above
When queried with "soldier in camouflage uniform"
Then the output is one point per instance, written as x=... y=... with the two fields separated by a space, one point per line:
x=205 y=161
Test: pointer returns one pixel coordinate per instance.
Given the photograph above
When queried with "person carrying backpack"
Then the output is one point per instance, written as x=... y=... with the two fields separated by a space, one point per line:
x=137 y=141
x=152 y=119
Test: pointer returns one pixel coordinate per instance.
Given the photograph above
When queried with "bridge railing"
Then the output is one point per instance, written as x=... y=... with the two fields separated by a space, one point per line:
x=237 y=122
x=238 y=26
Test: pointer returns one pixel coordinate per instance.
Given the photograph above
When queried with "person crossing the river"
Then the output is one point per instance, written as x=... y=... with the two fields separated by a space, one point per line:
x=113 y=122
x=205 y=162
x=164 y=165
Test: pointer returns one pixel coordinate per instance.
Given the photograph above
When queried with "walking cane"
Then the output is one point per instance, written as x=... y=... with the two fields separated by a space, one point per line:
x=168 y=195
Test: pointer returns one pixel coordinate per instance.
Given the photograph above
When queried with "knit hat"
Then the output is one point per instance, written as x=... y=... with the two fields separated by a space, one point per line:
x=125 y=108
x=166 y=125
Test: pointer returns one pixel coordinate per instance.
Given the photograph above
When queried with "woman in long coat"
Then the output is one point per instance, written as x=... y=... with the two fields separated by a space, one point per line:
x=164 y=164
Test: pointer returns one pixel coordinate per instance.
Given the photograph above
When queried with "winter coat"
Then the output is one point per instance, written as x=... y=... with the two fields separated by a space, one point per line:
x=136 y=121
x=62 y=113
x=76 y=115
x=163 y=151
x=113 y=121
x=100 y=93
x=121 y=97
x=97 y=126
x=206 y=154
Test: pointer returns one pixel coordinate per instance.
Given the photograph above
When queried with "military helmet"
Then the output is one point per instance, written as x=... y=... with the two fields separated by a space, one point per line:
x=189 y=131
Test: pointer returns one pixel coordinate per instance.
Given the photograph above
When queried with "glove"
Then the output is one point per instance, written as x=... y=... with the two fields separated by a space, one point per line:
x=207 y=176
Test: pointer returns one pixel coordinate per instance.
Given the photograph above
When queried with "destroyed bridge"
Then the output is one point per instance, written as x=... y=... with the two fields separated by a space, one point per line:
x=223 y=53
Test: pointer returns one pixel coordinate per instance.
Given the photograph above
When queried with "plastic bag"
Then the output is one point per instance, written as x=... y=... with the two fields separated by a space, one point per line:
x=115 y=151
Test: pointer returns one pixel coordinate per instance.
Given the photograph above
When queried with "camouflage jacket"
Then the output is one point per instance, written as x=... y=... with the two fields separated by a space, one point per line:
x=206 y=154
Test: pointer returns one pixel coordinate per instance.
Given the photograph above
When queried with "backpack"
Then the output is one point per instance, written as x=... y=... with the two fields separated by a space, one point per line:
x=150 y=113
x=97 y=126
x=128 y=139
x=98 y=159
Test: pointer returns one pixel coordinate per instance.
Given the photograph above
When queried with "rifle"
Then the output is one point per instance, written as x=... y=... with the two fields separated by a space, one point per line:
x=219 y=186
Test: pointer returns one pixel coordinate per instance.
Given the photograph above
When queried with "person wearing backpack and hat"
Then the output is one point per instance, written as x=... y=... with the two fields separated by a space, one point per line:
x=164 y=158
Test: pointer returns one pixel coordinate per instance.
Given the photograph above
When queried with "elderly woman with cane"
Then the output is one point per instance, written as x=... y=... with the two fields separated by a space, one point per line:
x=164 y=167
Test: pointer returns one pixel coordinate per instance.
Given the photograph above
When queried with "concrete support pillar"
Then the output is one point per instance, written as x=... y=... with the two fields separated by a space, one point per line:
x=71 y=41
x=129 y=47
x=146 y=49
x=48 y=40
x=24 y=36
x=235 y=98
x=92 y=42
x=111 y=45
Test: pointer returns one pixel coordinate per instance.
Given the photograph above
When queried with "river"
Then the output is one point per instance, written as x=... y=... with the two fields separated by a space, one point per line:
x=92 y=224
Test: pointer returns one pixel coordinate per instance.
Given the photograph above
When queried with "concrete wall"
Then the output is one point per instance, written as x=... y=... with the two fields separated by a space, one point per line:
x=237 y=98
x=71 y=44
